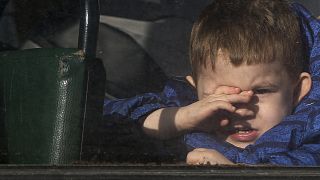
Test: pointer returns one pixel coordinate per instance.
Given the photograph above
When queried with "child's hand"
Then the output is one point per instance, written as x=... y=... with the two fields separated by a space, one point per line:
x=202 y=156
x=207 y=115
x=212 y=111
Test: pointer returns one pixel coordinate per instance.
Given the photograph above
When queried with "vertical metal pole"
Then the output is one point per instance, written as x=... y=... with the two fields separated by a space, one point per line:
x=89 y=27
x=95 y=76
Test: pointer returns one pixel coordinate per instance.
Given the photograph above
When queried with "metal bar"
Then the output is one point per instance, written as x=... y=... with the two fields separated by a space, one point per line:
x=89 y=27
x=94 y=82
x=168 y=172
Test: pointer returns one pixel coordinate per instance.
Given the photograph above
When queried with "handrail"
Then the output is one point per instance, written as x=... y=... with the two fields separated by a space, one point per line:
x=89 y=27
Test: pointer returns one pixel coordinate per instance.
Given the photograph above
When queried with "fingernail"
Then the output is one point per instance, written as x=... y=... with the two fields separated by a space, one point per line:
x=250 y=92
x=237 y=89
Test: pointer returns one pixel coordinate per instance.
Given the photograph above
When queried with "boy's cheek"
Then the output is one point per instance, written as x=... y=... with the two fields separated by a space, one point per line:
x=273 y=101
x=271 y=114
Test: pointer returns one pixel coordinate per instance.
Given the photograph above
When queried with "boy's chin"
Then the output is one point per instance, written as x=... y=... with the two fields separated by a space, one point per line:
x=239 y=144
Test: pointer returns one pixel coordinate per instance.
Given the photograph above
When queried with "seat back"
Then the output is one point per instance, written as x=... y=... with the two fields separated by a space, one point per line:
x=41 y=104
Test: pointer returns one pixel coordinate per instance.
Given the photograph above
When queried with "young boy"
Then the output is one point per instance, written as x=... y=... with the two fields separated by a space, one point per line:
x=247 y=60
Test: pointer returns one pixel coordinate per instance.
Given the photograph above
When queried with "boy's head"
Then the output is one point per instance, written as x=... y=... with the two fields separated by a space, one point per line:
x=249 y=32
x=254 y=45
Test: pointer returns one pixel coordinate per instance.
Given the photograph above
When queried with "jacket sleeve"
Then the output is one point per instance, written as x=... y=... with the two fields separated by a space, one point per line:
x=294 y=142
x=177 y=92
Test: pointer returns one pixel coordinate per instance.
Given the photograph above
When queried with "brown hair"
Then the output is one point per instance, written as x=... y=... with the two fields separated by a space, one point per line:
x=250 y=32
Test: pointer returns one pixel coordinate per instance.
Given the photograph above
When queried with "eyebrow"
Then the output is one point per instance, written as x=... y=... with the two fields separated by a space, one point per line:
x=263 y=85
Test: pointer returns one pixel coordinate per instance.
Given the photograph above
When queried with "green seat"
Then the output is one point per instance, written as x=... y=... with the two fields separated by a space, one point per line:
x=41 y=105
x=51 y=99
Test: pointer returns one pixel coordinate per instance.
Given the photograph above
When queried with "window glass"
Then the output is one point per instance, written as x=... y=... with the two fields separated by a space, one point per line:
x=141 y=43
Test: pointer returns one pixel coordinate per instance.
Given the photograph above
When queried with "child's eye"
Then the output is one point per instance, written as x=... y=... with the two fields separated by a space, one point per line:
x=262 y=91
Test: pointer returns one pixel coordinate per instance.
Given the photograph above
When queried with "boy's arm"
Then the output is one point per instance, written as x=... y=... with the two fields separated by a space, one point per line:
x=205 y=115
x=176 y=93
x=176 y=111
x=162 y=123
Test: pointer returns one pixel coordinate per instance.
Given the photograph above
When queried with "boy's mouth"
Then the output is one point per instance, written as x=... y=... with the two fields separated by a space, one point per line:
x=239 y=133
x=244 y=134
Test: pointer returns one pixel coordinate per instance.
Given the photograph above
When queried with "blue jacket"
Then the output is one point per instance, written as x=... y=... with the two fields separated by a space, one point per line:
x=293 y=142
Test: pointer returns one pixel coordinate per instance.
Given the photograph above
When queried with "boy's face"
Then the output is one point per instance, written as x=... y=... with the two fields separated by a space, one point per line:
x=274 y=97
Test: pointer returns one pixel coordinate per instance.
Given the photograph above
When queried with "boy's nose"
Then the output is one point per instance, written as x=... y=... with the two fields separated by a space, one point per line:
x=246 y=110
x=252 y=104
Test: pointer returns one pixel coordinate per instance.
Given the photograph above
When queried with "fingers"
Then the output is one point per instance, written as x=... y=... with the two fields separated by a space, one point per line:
x=247 y=93
x=244 y=112
x=233 y=98
x=199 y=157
x=234 y=103
x=220 y=105
x=232 y=90
x=220 y=108
x=202 y=156
x=227 y=90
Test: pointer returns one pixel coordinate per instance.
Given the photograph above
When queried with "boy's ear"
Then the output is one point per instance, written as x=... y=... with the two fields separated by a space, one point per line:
x=303 y=87
x=191 y=80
